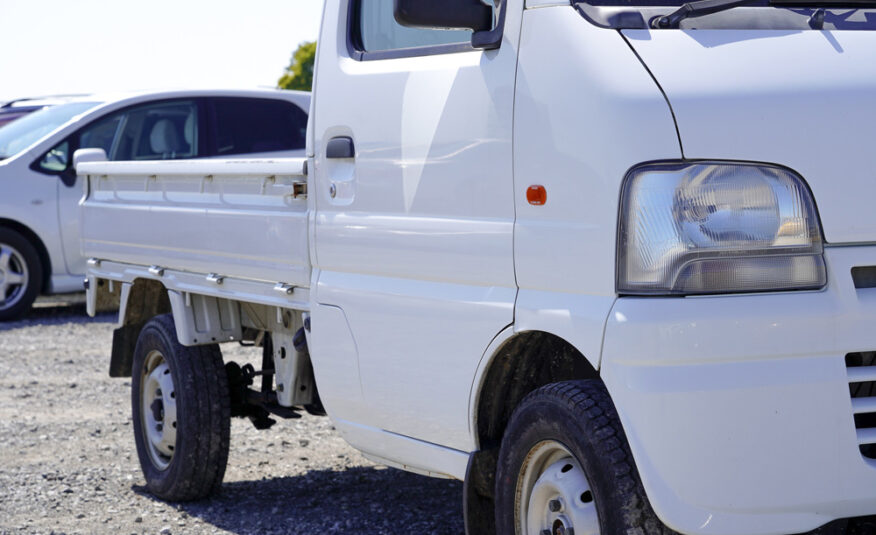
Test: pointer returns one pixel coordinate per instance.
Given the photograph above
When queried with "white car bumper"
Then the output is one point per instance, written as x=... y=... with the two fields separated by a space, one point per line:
x=738 y=408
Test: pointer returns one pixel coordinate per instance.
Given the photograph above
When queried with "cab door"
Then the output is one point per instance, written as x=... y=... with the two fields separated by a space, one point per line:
x=414 y=215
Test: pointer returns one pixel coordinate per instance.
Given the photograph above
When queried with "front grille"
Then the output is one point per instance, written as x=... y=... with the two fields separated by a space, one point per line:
x=861 y=368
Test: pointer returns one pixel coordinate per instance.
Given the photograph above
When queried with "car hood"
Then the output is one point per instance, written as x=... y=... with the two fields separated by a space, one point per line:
x=802 y=99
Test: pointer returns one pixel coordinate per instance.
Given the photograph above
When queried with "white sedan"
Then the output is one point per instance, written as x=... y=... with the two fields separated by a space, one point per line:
x=39 y=216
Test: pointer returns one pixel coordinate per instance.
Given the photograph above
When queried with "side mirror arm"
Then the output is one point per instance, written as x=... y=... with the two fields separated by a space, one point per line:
x=491 y=39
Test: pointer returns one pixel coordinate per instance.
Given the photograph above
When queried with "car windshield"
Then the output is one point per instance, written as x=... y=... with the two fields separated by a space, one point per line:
x=638 y=3
x=649 y=3
x=18 y=135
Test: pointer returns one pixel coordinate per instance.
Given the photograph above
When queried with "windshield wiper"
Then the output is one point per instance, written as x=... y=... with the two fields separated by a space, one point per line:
x=697 y=9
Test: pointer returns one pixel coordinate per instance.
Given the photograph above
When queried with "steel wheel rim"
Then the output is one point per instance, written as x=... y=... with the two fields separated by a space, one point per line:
x=14 y=276
x=553 y=495
x=158 y=410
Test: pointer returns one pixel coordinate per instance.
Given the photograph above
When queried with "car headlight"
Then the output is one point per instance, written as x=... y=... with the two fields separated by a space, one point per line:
x=717 y=227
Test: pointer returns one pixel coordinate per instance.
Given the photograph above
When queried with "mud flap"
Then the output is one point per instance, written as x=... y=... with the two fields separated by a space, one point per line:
x=477 y=492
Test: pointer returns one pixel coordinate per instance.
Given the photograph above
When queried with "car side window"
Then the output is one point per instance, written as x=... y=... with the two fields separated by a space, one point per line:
x=100 y=135
x=376 y=30
x=57 y=159
x=160 y=131
x=249 y=125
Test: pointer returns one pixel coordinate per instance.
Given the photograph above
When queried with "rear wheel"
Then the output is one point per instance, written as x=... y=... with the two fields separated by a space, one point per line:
x=565 y=467
x=21 y=275
x=181 y=412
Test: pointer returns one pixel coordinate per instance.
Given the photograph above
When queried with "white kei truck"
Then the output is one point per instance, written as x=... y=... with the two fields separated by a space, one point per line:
x=611 y=263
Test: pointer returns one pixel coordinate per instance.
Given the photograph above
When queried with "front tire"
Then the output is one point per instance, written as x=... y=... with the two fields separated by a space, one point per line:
x=21 y=275
x=565 y=463
x=181 y=412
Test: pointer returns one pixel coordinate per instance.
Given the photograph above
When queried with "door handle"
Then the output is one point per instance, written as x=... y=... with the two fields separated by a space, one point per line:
x=340 y=147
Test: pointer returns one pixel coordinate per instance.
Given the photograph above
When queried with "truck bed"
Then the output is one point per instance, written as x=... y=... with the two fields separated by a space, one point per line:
x=236 y=219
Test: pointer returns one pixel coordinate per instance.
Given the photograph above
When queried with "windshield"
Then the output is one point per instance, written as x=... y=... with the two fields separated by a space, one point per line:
x=792 y=15
x=641 y=3
x=20 y=134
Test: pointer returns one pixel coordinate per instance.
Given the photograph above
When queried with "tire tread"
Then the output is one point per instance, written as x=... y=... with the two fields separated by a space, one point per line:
x=588 y=401
x=201 y=454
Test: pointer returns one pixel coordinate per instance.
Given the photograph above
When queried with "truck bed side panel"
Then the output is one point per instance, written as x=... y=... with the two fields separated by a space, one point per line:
x=243 y=222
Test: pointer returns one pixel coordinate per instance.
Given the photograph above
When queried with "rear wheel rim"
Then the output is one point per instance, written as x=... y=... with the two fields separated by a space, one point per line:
x=158 y=418
x=14 y=276
x=553 y=495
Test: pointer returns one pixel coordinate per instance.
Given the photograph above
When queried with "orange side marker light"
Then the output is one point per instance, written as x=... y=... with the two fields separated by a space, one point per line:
x=536 y=195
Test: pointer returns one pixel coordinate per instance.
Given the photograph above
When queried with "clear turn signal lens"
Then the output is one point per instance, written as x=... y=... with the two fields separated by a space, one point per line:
x=714 y=227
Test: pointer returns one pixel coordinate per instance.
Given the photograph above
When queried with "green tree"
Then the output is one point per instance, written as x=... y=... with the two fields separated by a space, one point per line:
x=299 y=73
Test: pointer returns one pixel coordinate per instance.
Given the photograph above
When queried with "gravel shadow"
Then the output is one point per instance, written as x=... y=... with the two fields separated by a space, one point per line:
x=50 y=311
x=353 y=501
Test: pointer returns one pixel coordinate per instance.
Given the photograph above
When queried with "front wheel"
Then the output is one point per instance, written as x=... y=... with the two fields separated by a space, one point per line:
x=565 y=467
x=181 y=412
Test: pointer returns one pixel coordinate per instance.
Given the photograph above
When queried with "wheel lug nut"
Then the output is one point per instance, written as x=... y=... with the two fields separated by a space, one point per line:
x=555 y=506
x=159 y=427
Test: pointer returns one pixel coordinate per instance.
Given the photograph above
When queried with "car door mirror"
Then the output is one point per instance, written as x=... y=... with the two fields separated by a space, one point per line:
x=471 y=14
x=68 y=177
x=88 y=155
x=454 y=14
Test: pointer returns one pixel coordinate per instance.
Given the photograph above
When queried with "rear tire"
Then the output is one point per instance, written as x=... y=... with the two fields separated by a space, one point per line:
x=565 y=463
x=21 y=275
x=181 y=412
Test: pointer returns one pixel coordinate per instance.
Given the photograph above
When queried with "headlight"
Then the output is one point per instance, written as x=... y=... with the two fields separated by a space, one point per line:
x=713 y=227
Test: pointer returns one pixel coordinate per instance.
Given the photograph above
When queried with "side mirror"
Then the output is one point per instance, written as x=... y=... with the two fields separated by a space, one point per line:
x=88 y=155
x=447 y=14
x=81 y=156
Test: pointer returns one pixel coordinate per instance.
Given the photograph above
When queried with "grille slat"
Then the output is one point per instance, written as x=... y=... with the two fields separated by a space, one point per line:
x=867 y=436
x=862 y=374
x=863 y=405
x=861 y=369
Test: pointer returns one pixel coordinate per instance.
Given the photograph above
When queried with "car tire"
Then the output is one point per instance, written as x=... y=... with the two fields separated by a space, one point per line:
x=565 y=463
x=181 y=412
x=21 y=275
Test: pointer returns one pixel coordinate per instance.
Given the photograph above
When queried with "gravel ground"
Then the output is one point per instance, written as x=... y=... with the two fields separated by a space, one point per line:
x=68 y=462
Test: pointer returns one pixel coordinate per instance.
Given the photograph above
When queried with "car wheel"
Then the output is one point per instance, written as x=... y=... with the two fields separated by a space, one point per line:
x=21 y=275
x=181 y=412
x=565 y=467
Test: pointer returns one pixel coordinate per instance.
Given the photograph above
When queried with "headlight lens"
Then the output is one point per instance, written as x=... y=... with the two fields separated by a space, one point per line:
x=714 y=227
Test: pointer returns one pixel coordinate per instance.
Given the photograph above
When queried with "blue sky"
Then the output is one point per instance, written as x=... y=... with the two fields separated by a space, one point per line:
x=83 y=46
